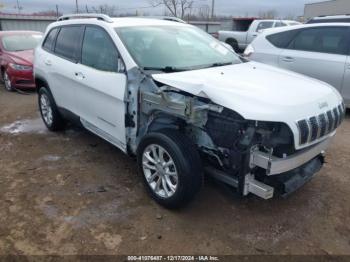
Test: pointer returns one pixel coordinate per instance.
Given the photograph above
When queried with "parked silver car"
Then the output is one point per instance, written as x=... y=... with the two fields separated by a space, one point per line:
x=320 y=51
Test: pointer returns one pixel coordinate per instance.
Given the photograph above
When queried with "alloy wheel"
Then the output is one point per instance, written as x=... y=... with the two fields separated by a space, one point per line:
x=160 y=171
x=46 y=109
x=7 y=82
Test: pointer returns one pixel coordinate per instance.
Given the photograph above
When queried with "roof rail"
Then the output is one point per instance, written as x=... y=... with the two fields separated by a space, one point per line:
x=102 y=17
x=167 y=18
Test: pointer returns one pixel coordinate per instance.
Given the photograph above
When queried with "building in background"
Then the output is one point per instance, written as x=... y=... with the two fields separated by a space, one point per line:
x=332 y=7
x=25 y=22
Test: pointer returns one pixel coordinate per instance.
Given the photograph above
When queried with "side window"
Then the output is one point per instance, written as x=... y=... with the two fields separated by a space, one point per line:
x=99 y=51
x=49 y=41
x=282 y=40
x=332 y=40
x=280 y=24
x=67 y=42
x=264 y=25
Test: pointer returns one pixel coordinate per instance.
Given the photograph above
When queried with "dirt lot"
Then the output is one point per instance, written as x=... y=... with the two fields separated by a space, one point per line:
x=73 y=193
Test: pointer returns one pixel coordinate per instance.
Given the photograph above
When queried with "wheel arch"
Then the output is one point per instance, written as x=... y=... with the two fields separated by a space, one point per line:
x=41 y=82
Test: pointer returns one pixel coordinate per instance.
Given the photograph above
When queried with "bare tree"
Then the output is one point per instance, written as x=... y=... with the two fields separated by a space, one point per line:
x=204 y=12
x=177 y=8
x=110 y=10
x=47 y=13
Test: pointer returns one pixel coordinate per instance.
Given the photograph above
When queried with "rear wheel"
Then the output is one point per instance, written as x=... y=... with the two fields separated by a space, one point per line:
x=7 y=82
x=49 y=111
x=171 y=168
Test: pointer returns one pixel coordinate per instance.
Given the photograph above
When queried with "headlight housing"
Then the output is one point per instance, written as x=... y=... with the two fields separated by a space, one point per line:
x=249 y=51
x=20 y=67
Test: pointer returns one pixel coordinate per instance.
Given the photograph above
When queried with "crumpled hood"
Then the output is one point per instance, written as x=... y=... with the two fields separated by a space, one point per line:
x=257 y=91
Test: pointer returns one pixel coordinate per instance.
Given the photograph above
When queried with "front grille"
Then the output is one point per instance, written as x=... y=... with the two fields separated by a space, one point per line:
x=24 y=82
x=316 y=127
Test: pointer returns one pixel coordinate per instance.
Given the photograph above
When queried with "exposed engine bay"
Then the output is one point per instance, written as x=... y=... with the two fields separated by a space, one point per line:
x=226 y=141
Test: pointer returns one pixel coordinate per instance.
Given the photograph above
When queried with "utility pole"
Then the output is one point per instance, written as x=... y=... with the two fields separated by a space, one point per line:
x=18 y=7
x=57 y=14
x=77 y=6
x=212 y=9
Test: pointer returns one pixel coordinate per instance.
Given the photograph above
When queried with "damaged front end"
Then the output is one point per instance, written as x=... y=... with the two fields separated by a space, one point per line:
x=253 y=156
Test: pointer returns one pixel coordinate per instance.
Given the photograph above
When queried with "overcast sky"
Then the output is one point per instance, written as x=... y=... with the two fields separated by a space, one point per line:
x=223 y=7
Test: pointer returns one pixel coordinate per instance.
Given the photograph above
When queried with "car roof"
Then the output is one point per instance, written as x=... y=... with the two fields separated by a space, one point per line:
x=121 y=22
x=293 y=27
x=330 y=17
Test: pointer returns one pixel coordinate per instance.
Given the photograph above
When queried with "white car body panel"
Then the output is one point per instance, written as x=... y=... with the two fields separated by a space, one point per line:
x=330 y=68
x=102 y=104
x=271 y=95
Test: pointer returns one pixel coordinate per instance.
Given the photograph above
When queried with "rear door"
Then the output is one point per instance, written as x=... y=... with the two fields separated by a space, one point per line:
x=61 y=64
x=102 y=85
x=318 y=52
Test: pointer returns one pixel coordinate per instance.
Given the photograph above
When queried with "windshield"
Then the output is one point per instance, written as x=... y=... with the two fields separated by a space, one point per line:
x=174 y=48
x=22 y=42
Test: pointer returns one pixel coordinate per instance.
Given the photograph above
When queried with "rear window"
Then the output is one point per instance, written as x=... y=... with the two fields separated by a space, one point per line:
x=282 y=40
x=68 y=40
x=264 y=25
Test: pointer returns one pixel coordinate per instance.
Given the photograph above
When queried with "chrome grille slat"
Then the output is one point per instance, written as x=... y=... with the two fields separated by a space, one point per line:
x=316 y=127
x=336 y=117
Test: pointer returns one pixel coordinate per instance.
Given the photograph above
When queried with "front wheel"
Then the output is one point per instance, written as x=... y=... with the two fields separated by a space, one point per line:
x=7 y=82
x=171 y=168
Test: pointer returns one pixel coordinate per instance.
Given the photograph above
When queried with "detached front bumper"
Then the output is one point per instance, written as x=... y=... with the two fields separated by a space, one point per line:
x=274 y=165
x=267 y=175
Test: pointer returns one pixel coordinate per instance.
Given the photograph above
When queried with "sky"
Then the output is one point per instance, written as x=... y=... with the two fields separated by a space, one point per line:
x=222 y=7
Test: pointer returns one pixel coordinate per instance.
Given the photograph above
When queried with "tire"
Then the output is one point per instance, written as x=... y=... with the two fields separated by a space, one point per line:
x=234 y=44
x=49 y=111
x=7 y=82
x=187 y=166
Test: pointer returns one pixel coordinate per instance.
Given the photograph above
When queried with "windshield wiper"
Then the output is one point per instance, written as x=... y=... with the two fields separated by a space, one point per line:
x=166 y=69
x=221 y=64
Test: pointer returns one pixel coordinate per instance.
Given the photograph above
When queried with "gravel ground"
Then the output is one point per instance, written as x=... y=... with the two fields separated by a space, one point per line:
x=73 y=193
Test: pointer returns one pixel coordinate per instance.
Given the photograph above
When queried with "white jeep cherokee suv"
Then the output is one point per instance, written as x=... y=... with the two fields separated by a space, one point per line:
x=185 y=105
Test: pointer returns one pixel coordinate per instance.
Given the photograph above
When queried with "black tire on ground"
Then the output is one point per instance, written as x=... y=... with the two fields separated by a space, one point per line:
x=187 y=161
x=234 y=44
x=57 y=122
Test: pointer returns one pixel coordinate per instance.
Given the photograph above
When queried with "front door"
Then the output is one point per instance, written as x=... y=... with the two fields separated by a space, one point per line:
x=101 y=92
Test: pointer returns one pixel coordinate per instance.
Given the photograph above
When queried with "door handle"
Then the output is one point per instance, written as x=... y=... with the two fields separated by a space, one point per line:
x=48 y=62
x=348 y=66
x=288 y=59
x=79 y=75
